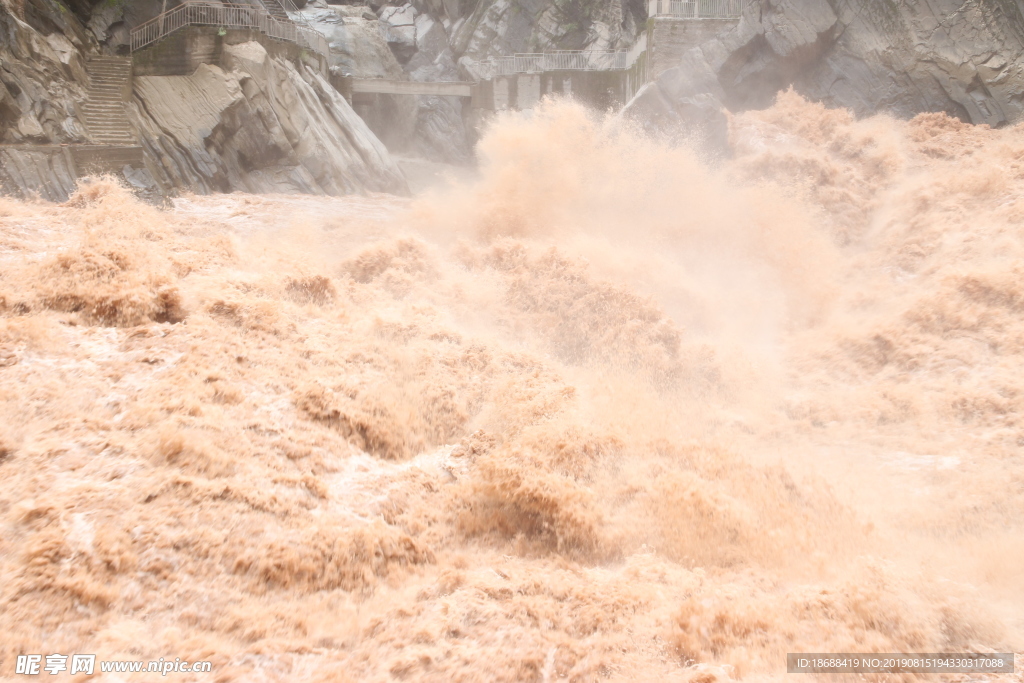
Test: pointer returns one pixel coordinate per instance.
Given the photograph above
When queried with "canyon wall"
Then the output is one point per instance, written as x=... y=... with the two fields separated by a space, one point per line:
x=252 y=120
x=903 y=58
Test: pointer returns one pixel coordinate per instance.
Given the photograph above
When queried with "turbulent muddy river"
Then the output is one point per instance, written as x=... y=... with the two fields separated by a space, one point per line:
x=605 y=411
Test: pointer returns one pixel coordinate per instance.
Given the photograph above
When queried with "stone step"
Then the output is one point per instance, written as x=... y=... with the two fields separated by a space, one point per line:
x=103 y=110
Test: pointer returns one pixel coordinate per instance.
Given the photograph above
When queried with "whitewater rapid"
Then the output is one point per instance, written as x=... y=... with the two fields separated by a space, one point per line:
x=606 y=411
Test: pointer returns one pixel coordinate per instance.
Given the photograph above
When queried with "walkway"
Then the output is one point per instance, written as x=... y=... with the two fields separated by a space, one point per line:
x=383 y=86
x=694 y=9
x=227 y=15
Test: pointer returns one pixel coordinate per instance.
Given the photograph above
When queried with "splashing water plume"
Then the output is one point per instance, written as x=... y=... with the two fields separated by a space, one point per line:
x=605 y=412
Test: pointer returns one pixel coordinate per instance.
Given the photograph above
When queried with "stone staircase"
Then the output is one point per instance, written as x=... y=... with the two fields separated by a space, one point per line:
x=276 y=10
x=103 y=110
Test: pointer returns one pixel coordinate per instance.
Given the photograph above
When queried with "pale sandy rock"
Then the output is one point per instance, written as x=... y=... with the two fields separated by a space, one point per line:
x=264 y=125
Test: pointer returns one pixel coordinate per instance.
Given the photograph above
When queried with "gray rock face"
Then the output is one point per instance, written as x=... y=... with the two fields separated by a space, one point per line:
x=42 y=76
x=358 y=41
x=403 y=43
x=501 y=27
x=451 y=40
x=260 y=124
x=963 y=58
x=42 y=172
x=400 y=30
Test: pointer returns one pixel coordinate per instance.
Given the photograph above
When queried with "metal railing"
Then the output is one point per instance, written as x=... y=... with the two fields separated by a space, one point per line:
x=225 y=15
x=695 y=9
x=562 y=60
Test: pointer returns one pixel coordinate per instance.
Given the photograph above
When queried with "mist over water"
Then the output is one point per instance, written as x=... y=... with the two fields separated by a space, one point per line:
x=608 y=411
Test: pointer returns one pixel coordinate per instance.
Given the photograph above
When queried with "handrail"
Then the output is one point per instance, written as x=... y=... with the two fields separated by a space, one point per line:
x=695 y=9
x=562 y=60
x=198 y=13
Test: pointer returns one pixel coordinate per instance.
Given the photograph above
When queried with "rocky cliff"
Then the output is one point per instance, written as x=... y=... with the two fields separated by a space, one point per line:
x=249 y=121
x=42 y=74
x=956 y=56
x=450 y=40
x=259 y=123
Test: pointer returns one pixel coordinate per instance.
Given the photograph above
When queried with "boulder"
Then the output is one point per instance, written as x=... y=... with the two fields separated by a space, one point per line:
x=400 y=31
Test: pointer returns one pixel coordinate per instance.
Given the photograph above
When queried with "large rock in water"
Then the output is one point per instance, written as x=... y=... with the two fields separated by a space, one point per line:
x=872 y=56
x=261 y=124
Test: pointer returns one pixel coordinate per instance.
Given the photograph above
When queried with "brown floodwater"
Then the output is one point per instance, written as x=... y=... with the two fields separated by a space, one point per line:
x=605 y=410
